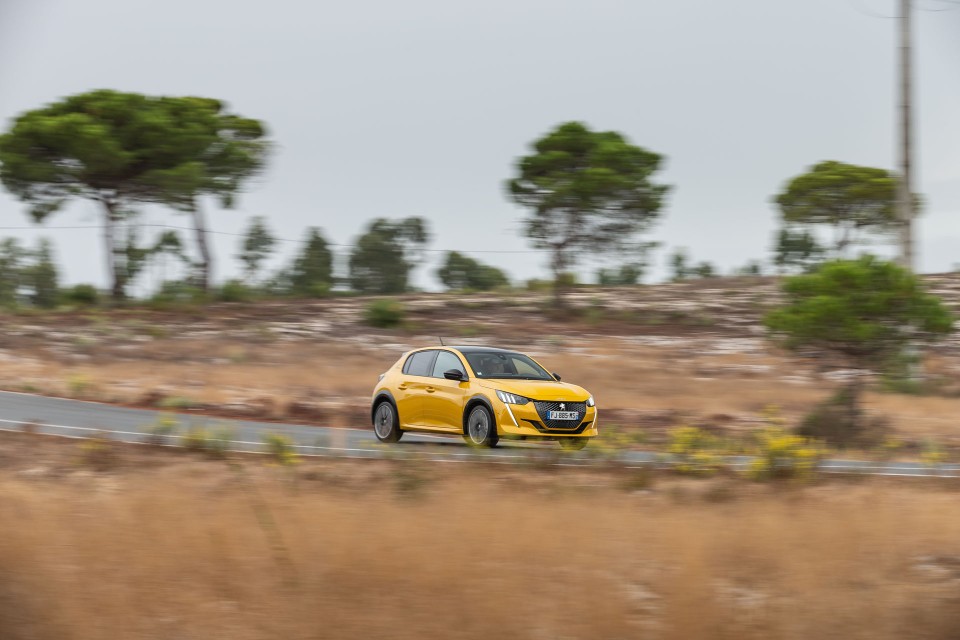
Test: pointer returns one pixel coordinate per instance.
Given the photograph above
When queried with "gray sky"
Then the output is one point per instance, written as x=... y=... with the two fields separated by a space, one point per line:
x=385 y=108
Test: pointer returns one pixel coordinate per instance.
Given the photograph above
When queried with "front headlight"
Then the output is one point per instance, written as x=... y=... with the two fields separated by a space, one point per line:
x=511 y=398
x=590 y=402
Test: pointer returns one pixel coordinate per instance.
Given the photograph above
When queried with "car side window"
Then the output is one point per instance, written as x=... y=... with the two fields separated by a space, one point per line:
x=445 y=362
x=420 y=363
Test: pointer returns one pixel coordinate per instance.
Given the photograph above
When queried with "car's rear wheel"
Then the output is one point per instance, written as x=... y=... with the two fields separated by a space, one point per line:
x=386 y=426
x=573 y=444
x=481 y=429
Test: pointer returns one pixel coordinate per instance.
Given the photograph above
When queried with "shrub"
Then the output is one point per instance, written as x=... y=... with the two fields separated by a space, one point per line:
x=197 y=438
x=176 y=402
x=932 y=454
x=81 y=294
x=178 y=292
x=693 y=451
x=318 y=290
x=783 y=455
x=235 y=291
x=218 y=441
x=537 y=285
x=611 y=442
x=165 y=425
x=79 y=385
x=98 y=453
x=384 y=313
x=839 y=422
x=280 y=447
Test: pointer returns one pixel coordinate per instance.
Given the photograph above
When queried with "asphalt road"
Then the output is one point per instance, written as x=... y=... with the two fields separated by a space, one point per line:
x=77 y=419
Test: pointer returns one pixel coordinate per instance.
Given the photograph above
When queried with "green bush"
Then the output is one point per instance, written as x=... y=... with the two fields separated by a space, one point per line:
x=81 y=294
x=235 y=291
x=384 y=313
x=176 y=402
x=178 y=292
x=536 y=285
x=318 y=290
x=840 y=422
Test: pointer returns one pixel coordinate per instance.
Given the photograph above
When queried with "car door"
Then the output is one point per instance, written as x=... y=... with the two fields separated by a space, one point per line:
x=410 y=393
x=443 y=402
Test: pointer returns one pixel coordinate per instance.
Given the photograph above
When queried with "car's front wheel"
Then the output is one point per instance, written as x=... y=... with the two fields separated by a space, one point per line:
x=386 y=426
x=481 y=429
x=573 y=444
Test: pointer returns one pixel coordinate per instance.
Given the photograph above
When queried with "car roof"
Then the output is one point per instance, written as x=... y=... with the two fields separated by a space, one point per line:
x=480 y=349
x=465 y=349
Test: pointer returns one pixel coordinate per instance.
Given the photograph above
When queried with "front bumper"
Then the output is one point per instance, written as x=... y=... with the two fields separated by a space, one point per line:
x=523 y=420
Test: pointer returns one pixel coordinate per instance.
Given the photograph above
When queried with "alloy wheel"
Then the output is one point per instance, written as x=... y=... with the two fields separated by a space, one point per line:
x=383 y=421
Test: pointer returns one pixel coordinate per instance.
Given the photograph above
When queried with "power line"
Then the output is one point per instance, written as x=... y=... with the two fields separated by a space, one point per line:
x=859 y=8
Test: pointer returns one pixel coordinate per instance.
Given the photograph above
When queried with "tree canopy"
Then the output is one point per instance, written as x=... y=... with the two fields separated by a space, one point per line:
x=796 y=249
x=586 y=191
x=255 y=247
x=463 y=272
x=860 y=314
x=311 y=275
x=382 y=258
x=627 y=274
x=125 y=149
x=854 y=201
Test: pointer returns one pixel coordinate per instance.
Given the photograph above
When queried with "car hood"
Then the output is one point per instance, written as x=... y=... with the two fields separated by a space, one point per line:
x=537 y=389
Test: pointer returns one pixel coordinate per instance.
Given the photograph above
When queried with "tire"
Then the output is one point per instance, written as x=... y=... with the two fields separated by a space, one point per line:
x=386 y=425
x=481 y=428
x=573 y=444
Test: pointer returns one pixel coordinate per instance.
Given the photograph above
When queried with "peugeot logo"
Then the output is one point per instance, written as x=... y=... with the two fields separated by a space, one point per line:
x=562 y=406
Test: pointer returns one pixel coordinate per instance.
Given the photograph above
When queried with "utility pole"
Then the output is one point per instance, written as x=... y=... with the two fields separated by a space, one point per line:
x=905 y=184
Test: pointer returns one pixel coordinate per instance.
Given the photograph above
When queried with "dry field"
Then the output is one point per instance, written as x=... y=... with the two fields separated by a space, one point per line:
x=654 y=356
x=159 y=544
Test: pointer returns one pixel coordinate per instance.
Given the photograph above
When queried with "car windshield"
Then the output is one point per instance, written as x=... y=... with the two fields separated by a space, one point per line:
x=493 y=364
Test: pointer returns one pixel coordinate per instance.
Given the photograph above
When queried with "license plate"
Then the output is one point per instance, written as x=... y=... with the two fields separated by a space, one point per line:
x=564 y=415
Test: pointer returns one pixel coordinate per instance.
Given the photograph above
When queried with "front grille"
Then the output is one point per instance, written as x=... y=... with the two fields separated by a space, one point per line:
x=539 y=427
x=560 y=425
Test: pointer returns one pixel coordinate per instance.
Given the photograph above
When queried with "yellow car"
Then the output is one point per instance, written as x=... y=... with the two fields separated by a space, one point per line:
x=483 y=394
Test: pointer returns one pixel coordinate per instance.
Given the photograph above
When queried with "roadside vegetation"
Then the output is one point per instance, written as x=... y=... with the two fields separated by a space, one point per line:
x=194 y=547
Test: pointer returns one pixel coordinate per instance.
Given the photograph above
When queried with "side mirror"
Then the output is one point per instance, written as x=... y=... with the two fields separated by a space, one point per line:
x=556 y=376
x=453 y=374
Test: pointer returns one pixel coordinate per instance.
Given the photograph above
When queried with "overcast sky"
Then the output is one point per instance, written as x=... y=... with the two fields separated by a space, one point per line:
x=419 y=107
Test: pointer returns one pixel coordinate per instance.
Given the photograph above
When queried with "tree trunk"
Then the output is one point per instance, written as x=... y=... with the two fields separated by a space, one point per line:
x=557 y=266
x=117 y=283
x=206 y=262
x=854 y=423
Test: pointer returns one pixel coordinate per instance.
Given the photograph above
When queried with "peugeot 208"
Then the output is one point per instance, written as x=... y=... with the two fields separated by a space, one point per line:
x=483 y=394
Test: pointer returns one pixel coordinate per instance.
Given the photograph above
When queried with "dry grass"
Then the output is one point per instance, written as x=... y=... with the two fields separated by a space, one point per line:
x=170 y=546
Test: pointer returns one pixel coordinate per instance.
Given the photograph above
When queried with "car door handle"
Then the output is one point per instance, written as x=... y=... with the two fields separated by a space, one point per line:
x=430 y=389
